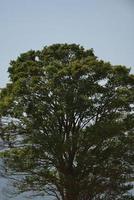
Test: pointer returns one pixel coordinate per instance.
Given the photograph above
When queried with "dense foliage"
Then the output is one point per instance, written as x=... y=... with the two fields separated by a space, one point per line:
x=71 y=126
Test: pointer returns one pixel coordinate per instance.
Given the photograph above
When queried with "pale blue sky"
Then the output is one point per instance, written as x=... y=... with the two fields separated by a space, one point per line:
x=107 y=26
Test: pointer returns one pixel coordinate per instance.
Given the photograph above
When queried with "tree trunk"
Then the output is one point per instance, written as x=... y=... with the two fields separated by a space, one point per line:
x=71 y=196
x=71 y=191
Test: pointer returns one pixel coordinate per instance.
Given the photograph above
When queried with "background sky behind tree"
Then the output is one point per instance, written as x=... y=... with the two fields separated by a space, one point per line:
x=107 y=26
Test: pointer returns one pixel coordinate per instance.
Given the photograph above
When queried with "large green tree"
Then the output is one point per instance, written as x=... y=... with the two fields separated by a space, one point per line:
x=71 y=126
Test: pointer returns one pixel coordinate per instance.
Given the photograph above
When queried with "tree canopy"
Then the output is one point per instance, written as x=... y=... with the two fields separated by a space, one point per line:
x=71 y=128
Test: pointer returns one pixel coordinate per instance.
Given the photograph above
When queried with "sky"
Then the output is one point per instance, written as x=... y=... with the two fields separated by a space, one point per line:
x=107 y=26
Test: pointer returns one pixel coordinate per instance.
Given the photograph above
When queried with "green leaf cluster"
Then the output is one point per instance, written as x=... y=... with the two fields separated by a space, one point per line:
x=72 y=124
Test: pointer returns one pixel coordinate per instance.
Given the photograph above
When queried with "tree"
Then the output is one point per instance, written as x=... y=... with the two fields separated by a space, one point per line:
x=71 y=133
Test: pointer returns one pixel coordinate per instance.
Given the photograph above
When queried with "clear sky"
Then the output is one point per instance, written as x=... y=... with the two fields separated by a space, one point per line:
x=107 y=26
